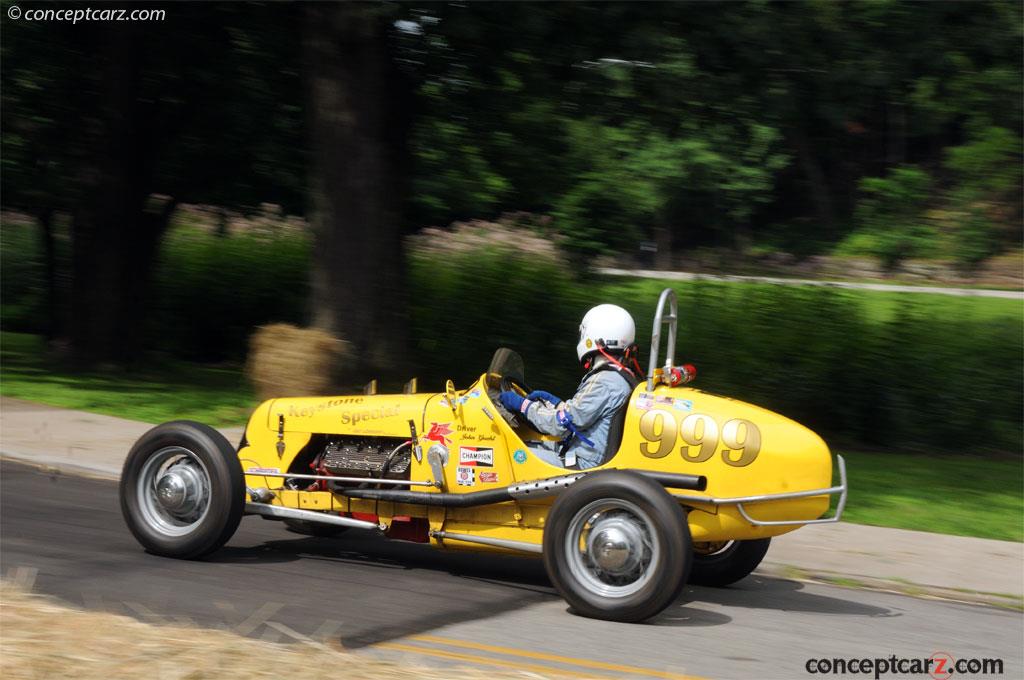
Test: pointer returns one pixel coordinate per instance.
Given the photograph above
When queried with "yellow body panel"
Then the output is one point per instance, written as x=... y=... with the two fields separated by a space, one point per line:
x=742 y=449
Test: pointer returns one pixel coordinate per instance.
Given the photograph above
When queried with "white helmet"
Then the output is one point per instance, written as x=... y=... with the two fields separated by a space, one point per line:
x=608 y=326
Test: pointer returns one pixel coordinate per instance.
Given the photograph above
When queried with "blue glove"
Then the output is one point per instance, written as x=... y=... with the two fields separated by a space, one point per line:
x=513 y=402
x=545 y=396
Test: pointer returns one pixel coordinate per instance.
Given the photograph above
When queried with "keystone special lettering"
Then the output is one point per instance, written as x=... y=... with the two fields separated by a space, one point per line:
x=307 y=411
x=354 y=417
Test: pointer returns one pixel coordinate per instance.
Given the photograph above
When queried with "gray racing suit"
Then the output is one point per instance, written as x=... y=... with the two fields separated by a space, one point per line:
x=600 y=395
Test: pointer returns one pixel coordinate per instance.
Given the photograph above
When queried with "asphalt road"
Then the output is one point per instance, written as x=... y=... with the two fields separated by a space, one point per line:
x=394 y=599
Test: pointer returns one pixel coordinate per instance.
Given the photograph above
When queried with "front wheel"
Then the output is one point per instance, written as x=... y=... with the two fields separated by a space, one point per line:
x=722 y=564
x=182 y=490
x=617 y=547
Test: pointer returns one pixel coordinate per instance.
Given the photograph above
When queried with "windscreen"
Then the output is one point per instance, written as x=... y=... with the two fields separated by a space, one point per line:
x=507 y=363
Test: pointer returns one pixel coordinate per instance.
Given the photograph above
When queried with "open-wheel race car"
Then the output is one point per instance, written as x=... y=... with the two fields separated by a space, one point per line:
x=692 y=487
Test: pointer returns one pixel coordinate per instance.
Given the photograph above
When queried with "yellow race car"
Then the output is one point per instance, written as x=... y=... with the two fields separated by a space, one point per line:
x=692 y=487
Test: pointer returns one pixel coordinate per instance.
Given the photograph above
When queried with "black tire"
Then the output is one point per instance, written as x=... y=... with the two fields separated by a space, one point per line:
x=301 y=526
x=665 y=524
x=217 y=490
x=729 y=565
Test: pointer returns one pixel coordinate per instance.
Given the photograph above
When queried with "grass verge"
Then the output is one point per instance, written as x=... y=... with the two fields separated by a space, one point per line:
x=45 y=639
x=947 y=494
x=218 y=396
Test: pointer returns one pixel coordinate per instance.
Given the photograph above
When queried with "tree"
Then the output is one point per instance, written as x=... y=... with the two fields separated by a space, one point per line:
x=356 y=135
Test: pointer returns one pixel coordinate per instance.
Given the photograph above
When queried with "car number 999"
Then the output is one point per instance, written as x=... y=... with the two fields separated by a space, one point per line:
x=700 y=435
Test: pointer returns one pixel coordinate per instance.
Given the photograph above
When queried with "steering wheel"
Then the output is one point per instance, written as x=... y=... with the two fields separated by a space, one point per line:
x=507 y=384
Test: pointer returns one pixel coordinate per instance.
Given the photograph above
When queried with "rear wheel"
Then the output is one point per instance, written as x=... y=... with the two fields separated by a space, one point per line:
x=724 y=563
x=182 y=490
x=617 y=547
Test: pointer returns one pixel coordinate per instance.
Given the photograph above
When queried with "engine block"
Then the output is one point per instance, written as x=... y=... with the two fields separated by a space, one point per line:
x=366 y=457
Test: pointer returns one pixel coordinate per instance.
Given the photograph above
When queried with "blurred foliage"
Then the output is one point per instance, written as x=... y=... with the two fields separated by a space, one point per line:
x=210 y=292
x=890 y=219
x=724 y=124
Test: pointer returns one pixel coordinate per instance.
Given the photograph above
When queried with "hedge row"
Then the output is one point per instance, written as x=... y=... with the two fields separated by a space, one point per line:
x=929 y=373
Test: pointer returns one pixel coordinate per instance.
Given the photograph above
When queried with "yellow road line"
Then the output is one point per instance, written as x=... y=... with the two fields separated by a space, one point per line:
x=542 y=656
x=536 y=668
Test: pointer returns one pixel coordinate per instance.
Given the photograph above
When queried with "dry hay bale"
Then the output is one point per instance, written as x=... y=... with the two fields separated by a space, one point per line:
x=287 y=361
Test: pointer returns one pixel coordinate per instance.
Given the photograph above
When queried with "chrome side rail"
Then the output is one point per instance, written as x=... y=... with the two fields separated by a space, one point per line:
x=487 y=540
x=659 y=320
x=281 y=512
x=738 y=501
x=332 y=478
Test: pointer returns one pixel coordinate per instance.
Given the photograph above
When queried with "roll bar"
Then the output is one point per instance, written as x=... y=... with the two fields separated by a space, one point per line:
x=660 y=320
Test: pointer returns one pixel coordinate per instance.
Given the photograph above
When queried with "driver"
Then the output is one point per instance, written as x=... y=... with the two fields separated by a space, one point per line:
x=605 y=348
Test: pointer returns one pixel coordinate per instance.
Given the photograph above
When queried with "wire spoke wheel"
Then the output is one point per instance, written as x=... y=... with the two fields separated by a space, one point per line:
x=610 y=546
x=617 y=546
x=174 y=490
x=182 y=490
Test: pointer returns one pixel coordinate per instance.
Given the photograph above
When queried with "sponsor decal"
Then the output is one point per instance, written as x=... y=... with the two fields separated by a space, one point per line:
x=488 y=477
x=465 y=476
x=663 y=400
x=476 y=456
x=644 y=402
x=439 y=432
x=262 y=470
x=519 y=456
x=682 y=405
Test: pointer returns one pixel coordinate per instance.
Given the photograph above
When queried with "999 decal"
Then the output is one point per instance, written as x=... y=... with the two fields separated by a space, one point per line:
x=701 y=435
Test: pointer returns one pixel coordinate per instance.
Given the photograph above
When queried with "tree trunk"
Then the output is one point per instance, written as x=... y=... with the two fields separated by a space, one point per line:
x=114 y=240
x=357 y=276
x=663 y=243
x=52 y=321
x=821 y=195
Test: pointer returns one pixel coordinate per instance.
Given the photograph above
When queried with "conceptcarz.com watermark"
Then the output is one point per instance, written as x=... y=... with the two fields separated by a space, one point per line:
x=80 y=14
x=939 y=665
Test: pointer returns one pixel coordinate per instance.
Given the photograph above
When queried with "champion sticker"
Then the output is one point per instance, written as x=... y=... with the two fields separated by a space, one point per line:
x=476 y=456
x=465 y=476
x=262 y=470
x=488 y=477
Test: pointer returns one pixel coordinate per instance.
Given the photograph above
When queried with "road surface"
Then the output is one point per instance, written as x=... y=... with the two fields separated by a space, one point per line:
x=391 y=599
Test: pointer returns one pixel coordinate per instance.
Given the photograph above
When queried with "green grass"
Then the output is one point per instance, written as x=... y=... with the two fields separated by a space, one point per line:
x=946 y=494
x=878 y=306
x=166 y=391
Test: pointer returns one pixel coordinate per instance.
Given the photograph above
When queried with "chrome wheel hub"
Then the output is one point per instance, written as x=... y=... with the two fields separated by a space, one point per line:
x=615 y=545
x=178 y=490
x=173 y=491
